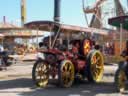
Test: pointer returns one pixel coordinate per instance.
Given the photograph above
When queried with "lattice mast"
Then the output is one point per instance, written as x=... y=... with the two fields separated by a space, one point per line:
x=96 y=11
x=119 y=8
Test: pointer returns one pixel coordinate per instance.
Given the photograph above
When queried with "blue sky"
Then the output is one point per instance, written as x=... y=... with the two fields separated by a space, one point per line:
x=71 y=11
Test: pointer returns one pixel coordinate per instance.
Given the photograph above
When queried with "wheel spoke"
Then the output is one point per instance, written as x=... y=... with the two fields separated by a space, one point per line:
x=96 y=66
x=99 y=67
x=97 y=60
x=64 y=74
x=42 y=74
x=70 y=68
x=67 y=74
x=66 y=80
x=67 y=66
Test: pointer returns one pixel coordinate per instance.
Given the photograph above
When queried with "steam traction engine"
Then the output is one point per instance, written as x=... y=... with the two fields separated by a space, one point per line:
x=58 y=61
x=63 y=63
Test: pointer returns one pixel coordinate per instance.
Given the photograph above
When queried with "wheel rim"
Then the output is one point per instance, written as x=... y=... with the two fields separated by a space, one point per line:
x=121 y=81
x=97 y=66
x=67 y=74
x=42 y=74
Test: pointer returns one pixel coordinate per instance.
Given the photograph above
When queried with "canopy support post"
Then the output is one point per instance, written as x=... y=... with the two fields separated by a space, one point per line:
x=121 y=39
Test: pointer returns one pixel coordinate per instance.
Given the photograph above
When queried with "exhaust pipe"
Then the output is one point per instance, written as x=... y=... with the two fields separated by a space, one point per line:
x=56 y=20
x=57 y=10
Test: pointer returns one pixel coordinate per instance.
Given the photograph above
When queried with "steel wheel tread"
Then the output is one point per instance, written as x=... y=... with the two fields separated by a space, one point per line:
x=40 y=73
x=95 y=63
x=66 y=73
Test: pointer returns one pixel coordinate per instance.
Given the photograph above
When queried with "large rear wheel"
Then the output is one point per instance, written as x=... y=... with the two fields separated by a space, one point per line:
x=95 y=66
x=66 y=73
x=120 y=79
x=40 y=73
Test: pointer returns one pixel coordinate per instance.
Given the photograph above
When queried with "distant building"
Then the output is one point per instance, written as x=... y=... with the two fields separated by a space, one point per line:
x=14 y=35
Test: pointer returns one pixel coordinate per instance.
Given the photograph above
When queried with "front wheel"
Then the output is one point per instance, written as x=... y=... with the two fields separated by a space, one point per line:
x=66 y=73
x=40 y=73
x=120 y=79
x=95 y=65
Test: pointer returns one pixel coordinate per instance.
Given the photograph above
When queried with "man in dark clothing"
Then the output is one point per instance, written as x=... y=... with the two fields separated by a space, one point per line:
x=125 y=52
x=3 y=58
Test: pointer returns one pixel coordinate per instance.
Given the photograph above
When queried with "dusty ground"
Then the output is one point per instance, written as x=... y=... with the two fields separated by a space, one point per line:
x=16 y=81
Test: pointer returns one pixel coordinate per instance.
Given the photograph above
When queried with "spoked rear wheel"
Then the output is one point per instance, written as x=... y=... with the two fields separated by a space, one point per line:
x=95 y=66
x=40 y=73
x=66 y=73
x=120 y=79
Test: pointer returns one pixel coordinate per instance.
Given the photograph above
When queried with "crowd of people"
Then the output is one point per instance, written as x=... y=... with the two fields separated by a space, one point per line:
x=109 y=48
x=6 y=52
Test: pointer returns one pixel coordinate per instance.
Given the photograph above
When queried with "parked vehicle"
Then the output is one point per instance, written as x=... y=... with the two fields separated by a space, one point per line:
x=67 y=65
x=60 y=62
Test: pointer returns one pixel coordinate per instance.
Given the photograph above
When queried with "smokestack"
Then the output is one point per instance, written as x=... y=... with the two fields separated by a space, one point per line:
x=23 y=12
x=56 y=19
x=4 y=19
x=57 y=10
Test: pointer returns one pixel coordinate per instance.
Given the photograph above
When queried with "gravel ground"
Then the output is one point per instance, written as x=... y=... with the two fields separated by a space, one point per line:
x=16 y=81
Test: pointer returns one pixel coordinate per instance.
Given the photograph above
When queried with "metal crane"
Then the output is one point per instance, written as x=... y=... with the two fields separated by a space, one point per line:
x=95 y=9
x=119 y=8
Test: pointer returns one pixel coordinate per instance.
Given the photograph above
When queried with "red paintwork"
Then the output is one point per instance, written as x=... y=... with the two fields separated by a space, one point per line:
x=79 y=64
x=78 y=61
x=52 y=51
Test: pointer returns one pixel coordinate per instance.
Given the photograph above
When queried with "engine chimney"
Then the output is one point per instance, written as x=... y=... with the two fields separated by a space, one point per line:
x=57 y=20
x=4 y=19
x=57 y=10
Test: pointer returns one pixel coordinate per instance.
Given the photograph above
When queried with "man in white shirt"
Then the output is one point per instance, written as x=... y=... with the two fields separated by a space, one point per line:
x=3 y=59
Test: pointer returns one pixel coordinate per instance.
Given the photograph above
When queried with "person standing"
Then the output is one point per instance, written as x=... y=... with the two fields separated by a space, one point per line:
x=3 y=58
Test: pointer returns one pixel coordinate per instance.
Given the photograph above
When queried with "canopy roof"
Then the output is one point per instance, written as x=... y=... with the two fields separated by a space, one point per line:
x=7 y=25
x=117 y=21
x=20 y=32
x=49 y=25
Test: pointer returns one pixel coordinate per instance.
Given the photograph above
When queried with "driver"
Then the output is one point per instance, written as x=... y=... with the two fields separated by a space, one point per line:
x=76 y=48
